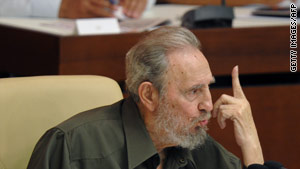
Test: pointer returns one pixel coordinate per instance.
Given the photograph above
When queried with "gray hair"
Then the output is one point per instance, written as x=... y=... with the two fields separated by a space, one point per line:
x=147 y=60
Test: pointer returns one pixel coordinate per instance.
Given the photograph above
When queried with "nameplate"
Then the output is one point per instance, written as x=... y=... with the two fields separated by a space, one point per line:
x=96 y=26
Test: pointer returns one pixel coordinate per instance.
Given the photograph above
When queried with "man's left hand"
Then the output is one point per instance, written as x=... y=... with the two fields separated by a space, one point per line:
x=237 y=109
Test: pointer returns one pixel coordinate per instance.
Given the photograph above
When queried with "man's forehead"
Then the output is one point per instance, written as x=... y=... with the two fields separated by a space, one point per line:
x=189 y=66
x=188 y=57
x=187 y=54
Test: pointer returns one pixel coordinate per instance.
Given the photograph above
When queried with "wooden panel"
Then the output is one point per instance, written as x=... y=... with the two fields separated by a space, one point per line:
x=27 y=53
x=101 y=55
x=276 y=113
x=256 y=50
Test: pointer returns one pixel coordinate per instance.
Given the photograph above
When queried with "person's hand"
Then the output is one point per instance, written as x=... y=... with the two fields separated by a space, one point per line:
x=237 y=109
x=133 y=8
x=86 y=9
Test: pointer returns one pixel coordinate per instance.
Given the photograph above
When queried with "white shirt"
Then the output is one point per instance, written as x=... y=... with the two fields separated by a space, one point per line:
x=36 y=8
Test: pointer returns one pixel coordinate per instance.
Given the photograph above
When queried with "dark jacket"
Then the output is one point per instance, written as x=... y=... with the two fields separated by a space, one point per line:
x=115 y=137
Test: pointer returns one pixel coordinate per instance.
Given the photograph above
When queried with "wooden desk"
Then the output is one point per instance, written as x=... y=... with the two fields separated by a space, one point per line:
x=26 y=53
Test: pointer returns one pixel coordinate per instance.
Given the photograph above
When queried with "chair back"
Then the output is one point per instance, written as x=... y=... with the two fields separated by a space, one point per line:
x=31 y=105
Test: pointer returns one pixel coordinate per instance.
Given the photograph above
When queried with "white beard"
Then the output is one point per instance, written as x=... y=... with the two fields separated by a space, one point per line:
x=174 y=129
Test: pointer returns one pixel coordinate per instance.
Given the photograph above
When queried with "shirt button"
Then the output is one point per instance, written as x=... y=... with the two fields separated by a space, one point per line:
x=181 y=161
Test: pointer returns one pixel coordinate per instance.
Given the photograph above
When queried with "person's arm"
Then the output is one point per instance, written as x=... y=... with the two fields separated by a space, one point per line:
x=29 y=8
x=50 y=152
x=237 y=109
x=86 y=9
x=71 y=8
x=57 y=8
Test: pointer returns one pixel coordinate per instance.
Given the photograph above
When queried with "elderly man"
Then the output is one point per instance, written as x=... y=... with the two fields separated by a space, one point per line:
x=164 y=121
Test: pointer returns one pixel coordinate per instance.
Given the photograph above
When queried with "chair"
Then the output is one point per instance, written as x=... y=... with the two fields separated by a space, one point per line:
x=31 y=105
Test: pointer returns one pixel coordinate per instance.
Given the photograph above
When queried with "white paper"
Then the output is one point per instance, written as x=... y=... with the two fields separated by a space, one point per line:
x=97 y=26
x=119 y=14
x=140 y=25
x=61 y=27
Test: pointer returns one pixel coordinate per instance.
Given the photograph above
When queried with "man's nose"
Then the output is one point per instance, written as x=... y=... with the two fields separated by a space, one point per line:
x=206 y=101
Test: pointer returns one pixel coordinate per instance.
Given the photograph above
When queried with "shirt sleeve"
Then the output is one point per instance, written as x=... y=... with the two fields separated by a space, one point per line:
x=150 y=4
x=45 y=8
x=266 y=165
x=29 y=8
x=51 y=152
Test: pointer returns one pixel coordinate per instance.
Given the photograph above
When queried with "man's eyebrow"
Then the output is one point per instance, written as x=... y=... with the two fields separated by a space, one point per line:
x=198 y=86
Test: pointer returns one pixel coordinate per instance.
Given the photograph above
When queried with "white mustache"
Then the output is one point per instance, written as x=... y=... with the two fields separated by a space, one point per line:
x=205 y=115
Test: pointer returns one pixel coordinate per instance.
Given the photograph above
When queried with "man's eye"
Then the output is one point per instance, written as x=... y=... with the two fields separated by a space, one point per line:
x=192 y=94
x=194 y=91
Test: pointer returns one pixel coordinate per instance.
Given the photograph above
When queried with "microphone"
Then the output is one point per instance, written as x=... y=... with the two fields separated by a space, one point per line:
x=208 y=16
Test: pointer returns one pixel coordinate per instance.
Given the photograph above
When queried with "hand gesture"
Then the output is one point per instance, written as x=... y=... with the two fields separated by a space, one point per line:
x=237 y=109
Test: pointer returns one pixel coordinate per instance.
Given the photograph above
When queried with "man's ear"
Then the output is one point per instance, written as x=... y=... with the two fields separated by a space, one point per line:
x=148 y=95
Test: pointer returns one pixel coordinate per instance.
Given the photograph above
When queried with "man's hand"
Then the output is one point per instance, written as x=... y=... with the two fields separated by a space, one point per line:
x=134 y=8
x=86 y=9
x=237 y=109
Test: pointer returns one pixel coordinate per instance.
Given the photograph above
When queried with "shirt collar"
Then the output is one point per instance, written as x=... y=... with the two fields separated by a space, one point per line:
x=139 y=144
x=178 y=156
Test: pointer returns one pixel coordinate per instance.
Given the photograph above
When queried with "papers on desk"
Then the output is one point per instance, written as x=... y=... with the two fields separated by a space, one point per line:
x=111 y=25
x=245 y=19
x=139 y=25
x=68 y=27
x=96 y=26
x=63 y=27
x=151 y=18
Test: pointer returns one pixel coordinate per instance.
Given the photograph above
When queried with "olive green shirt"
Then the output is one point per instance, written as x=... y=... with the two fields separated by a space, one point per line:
x=115 y=137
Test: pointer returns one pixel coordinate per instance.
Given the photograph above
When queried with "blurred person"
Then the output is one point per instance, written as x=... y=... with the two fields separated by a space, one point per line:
x=73 y=8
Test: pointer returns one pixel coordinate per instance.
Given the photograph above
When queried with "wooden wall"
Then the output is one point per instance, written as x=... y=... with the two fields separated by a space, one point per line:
x=276 y=114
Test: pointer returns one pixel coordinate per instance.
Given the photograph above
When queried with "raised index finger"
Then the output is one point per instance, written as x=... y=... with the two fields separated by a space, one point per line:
x=236 y=86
